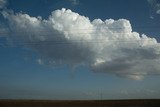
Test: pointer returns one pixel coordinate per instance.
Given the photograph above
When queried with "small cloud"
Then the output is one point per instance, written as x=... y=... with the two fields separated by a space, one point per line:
x=158 y=8
x=40 y=62
x=151 y=17
x=2 y=3
x=74 y=2
x=125 y=92
x=154 y=7
x=158 y=11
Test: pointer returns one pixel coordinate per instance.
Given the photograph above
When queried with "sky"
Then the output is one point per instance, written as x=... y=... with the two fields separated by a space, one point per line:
x=79 y=49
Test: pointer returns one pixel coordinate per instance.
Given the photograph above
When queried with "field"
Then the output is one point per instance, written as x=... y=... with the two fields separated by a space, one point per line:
x=80 y=103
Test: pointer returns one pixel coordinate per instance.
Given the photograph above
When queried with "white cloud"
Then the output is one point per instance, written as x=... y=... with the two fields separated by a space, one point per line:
x=158 y=11
x=39 y=61
x=155 y=7
x=158 y=8
x=74 y=2
x=2 y=3
x=108 y=46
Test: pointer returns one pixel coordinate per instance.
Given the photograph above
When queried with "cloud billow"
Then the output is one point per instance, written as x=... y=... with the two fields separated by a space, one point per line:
x=66 y=37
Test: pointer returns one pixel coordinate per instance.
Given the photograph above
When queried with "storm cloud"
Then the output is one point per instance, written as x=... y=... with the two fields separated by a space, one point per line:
x=66 y=37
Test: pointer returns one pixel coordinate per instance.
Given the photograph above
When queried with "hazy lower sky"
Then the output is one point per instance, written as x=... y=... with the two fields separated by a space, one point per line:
x=79 y=49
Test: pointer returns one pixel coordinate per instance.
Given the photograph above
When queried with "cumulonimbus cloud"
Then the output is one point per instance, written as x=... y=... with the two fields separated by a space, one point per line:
x=66 y=37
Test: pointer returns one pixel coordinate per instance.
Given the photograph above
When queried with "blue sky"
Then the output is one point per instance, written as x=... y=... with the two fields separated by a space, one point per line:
x=30 y=72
